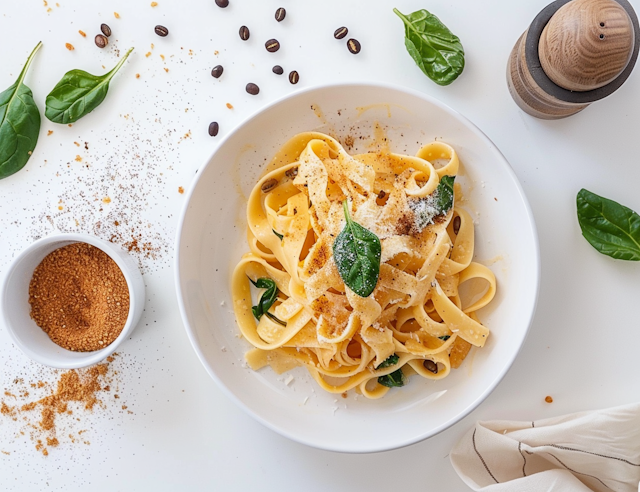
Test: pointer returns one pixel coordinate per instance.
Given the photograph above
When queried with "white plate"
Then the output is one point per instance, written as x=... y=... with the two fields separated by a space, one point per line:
x=211 y=239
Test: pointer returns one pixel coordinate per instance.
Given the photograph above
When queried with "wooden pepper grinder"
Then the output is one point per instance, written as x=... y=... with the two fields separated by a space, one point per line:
x=574 y=53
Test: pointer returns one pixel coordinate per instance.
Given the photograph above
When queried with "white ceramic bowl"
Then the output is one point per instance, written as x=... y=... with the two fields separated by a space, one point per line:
x=15 y=308
x=211 y=239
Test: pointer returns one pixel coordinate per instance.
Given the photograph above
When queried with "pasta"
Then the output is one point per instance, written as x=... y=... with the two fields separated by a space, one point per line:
x=414 y=321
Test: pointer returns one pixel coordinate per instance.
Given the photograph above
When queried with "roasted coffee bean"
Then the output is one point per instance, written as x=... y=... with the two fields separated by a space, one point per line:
x=431 y=366
x=213 y=128
x=291 y=173
x=101 y=41
x=340 y=33
x=354 y=46
x=269 y=185
x=161 y=31
x=106 y=30
x=244 y=33
x=456 y=224
x=281 y=14
x=272 y=45
x=223 y=4
x=217 y=71
x=294 y=77
x=278 y=70
x=252 y=88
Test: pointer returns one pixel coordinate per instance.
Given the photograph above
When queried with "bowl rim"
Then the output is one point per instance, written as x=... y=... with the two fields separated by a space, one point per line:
x=353 y=448
x=92 y=357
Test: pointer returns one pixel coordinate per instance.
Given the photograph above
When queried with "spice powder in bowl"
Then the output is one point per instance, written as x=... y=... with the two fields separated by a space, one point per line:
x=79 y=297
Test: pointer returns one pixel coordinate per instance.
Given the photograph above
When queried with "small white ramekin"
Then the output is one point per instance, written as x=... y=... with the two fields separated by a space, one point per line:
x=15 y=308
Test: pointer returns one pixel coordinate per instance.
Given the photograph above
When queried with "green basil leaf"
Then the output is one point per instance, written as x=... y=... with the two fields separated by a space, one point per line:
x=611 y=228
x=389 y=361
x=268 y=297
x=280 y=236
x=444 y=192
x=394 y=380
x=445 y=337
x=434 y=48
x=19 y=123
x=357 y=252
x=78 y=93
x=273 y=318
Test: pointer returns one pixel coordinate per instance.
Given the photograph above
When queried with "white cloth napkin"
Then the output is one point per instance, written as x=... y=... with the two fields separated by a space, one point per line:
x=589 y=451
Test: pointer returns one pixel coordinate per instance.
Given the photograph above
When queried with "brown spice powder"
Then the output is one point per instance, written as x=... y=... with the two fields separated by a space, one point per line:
x=79 y=297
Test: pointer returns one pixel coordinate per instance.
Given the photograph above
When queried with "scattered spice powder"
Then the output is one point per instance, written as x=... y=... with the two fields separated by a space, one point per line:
x=116 y=15
x=69 y=46
x=49 y=132
x=166 y=69
x=154 y=4
x=548 y=399
x=78 y=158
x=148 y=54
x=137 y=76
x=82 y=33
x=180 y=190
x=79 y=297
x=229 y=105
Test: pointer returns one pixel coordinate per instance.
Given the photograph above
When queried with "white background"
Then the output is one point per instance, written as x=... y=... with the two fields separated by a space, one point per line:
x=150 y=136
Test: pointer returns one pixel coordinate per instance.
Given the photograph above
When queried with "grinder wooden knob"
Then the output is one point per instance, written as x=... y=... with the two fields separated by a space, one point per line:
x=574 y=53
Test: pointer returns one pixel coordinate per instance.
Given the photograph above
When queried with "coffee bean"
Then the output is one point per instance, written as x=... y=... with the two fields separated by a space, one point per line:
x=253 y=89
x=269 y=185
x=431 y=366
x=161 y=31
x=278 y=70
x=281 y=14
x=213 y=128
x=223 y=4
x=291 y=173
x=294 y=77
x=456 y=224
x=340 y=33
x=101 y=41
x=106 y=30
x=217 y=71
x=272 y=45
x=244 y=33
x=354 y=46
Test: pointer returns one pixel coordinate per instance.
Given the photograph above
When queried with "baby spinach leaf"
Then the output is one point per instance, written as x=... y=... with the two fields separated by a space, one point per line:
x=278 y=234
x=357 y=252
x=611 y=228
x=445 y=337
x=434 y=48
x=273 y=318
x=393 y=380
x=389 y=361
x=268 y=297
x=78 y=93
x=19 y=123
x=444 y=193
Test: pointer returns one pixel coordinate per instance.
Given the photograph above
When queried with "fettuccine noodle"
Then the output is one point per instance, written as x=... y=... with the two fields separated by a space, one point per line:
x=414 y=319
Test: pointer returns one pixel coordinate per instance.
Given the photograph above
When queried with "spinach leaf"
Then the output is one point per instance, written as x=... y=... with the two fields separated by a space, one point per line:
x=389 y=361
x=78 y=93
x=393 y=380
x=278 y=234
x=357 y=252
x=445 y=337
x=444 y=192
x=19 y=123
x=434 y=48
x=269 y=296
x=611 y=228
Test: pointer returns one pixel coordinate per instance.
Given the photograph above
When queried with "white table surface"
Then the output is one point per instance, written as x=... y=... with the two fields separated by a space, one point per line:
x=150 y=136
